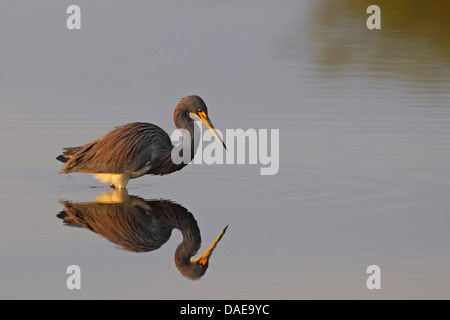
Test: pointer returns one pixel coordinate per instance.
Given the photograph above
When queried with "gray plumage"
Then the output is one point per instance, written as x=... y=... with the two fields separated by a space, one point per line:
x=124 y=150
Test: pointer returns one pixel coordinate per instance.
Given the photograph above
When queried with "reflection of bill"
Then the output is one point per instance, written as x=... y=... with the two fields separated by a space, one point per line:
x=243 y=147
x=139 y=225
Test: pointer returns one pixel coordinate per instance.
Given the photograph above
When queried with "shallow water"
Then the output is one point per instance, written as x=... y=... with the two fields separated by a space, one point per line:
x=364 y=124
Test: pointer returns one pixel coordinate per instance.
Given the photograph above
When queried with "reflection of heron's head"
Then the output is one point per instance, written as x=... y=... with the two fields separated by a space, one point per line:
x=196 y=268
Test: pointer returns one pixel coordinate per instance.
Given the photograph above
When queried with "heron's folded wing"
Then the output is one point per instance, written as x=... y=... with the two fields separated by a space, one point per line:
x=125 y=149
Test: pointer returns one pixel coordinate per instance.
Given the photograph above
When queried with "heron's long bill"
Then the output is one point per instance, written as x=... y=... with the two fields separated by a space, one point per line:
x=204 y=257
x=205 y=119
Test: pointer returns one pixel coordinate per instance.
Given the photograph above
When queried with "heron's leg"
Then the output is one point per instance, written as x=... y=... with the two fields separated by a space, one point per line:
x=120 y=180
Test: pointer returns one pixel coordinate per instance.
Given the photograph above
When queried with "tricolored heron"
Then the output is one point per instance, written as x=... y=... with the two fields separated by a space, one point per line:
x=135 y=149
x=139 y=225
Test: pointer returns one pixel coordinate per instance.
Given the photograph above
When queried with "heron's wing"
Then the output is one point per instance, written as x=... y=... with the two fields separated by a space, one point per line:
x=124 y=150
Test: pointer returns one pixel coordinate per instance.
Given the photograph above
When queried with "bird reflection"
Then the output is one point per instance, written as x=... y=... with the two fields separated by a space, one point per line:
x=139 y=225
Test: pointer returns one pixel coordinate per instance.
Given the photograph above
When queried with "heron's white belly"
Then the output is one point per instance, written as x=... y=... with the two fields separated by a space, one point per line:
x=120 y=180
x=117 y=180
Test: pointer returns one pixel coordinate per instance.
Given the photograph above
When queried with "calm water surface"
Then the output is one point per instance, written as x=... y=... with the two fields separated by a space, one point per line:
x=364 y=120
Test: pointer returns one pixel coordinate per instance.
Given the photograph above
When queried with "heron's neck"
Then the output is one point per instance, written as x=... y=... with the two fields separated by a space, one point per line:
x=180 y=155
x=190 y=132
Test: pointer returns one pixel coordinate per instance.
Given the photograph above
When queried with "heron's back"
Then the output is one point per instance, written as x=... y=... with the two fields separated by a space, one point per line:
x=125 y=149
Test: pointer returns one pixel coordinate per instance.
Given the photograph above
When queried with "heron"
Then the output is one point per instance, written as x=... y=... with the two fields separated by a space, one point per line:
x=139 y=148
x=139 y=225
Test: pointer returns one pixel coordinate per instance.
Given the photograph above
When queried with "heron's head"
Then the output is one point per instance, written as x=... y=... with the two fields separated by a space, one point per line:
x=195 y=106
